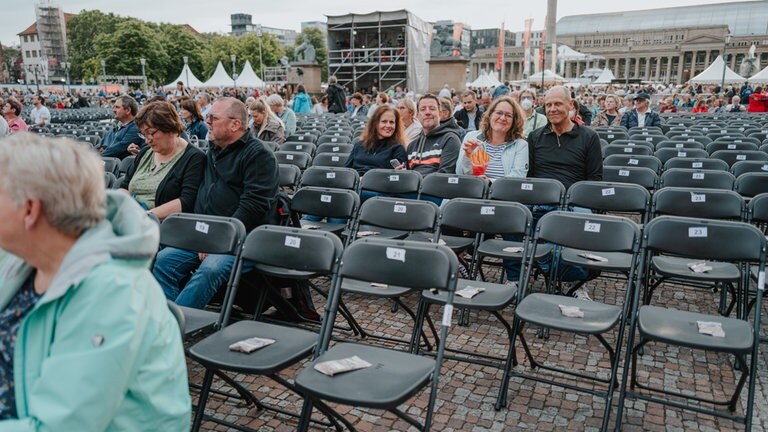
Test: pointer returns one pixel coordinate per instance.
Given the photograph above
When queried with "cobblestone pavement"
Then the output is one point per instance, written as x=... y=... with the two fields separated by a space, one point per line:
x=468 y=392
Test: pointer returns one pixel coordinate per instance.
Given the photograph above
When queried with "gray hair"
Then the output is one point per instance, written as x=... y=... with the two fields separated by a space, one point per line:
x=332 y=79
x=275 y=99
x=409 y=104
x=64 y=175
x=204 y=95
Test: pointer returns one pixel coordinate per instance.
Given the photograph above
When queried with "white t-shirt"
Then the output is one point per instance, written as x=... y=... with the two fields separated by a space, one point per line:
x=471 y=121
x=40 y=114
x=641 y=119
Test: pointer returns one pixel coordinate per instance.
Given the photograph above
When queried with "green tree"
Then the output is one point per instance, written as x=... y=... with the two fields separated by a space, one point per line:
x=82 y=31
x=122 y=49
x=178 y=41
x=248 y=49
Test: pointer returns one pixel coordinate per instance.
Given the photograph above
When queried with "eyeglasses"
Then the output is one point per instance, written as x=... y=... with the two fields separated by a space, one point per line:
x=506 y=115
x=145 y=135
x=214 y=118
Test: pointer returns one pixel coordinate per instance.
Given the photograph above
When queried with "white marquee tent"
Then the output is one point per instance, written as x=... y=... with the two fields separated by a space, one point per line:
x=485 y=80
x=606 y=76
x=186 y=72
x=220 y=78
x=760 y=77
x=714 y=74
x=248 y=77
x=549 y=78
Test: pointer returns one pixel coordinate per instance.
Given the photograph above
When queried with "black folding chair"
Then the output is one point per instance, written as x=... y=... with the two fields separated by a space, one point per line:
x=696 y=178
x=693 y=239
x=289 y=252
x=325 y=203
x=481 y=218
x=334 y=148
x=665 y=154
x=395 y=376
x=651 y=162
x=305 y=147
x=742 y=167
x=300 y=159
x=644 y=177
x=601 y=235
x=696 y=163
x=751 y=184
x=289 y=175
x=391 y=182
x=733 y=156
x=331 y=177
x=330 y=159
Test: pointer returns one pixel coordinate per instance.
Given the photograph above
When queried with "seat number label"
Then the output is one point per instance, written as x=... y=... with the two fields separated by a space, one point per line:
x=698 y=176
x=487 y=210
x=396 y=254
x=201 y=227
x=592 y=227
x=624 y=173
x=293 y=242
x=526 y=186
x=453 y=180
x=700 y=198
x=330 y=175
x=325 y=198
x=400 y=209
x=394 y=178
x=697 y=232
x=609 y=191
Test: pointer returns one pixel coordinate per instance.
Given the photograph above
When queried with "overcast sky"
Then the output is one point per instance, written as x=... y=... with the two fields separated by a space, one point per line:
x=213 y=15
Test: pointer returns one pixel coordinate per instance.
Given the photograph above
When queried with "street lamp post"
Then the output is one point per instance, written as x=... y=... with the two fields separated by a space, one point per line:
x=186 y=71
x=261 y=59
x=36 y=69
x=233 y=57
x=104 y=75
x=626 y=65
x=143 y=62
x=66 y=66
x=726 y=41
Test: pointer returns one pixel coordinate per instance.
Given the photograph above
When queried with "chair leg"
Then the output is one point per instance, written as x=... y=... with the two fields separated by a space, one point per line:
x=501 y=399
x=203 y=398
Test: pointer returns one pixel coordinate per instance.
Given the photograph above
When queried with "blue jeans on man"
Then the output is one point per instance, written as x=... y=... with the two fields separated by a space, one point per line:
x=173 y=265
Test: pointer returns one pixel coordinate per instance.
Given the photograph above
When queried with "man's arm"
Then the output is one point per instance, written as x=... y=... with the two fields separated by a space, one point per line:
x=119 y=147
x=450 y=154
x=260 y=188
x=594 y=168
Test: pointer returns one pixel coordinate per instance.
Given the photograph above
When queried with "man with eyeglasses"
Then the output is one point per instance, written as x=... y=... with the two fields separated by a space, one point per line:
x=240 y=181
x=567 y=152
x=117 y=143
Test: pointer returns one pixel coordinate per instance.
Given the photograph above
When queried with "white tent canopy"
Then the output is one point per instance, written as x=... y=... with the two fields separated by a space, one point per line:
x=714 y=74
x=186 y=72
x=606 y=76
x=248 y=77
x=760 y=77
x=549 y=77
x=220 y=78
x=485 y=80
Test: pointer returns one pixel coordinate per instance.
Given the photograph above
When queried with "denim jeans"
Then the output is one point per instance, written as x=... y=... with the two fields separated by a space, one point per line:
x=172 y=265
x=569 y=273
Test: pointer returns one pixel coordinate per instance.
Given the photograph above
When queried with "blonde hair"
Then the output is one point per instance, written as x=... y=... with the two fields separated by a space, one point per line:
x=264 y=108
x=67 y=177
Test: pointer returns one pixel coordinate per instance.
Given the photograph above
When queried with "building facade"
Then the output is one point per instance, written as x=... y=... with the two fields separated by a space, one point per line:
x=655 y=45
x=37 y=64
x=242 y=23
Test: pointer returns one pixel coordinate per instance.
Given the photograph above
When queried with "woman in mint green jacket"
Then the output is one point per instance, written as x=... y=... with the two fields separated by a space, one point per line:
x=87 y=342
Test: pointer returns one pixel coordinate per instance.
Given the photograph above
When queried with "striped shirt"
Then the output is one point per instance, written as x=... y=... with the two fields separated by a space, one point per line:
x=495 y=167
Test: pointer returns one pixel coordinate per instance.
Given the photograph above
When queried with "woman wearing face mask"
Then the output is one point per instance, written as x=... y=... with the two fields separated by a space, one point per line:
x=610 y=116
x=533 y=119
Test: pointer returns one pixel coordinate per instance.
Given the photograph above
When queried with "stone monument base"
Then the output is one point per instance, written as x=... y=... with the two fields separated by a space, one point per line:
x=310 y=77
x=449 y=70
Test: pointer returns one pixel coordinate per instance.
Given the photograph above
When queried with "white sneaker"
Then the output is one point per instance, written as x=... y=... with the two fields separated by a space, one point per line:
x=582 y=294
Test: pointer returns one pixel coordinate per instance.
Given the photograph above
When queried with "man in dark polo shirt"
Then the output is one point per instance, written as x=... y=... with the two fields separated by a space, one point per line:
x=240 y=181
x=568 y=152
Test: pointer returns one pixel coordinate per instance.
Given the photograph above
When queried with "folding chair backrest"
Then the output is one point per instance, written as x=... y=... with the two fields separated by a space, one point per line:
x=681 y=177
x=111 y=164
x=611 y=197
x=299 y=147
x=602 y=233
x=486 y=216
x=665 y=154
x=399 y=214
x=731 y=145
x=635 y=142
x=702 y=203
x=613 y=149
x=202 y=233
x=696 y=163
x=300 y=159
x=751 y=184
x=758 y=209
x=391 y=182
x=293 y=248
x=334 y=148
x=528 y=191
x=289 y=175
x=676 y=144
x=651 y=162
x=644 y=177
x=178 y=315
x=332 y=177
x=733 y=156
x=330 y=159
x=449 y=186
x=705 y=238
x=743 y=167
x=325 y=202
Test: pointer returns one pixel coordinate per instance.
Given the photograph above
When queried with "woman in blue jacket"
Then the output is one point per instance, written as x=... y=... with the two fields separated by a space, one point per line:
x=302 y=103
x=193 y=120
x=382 y=140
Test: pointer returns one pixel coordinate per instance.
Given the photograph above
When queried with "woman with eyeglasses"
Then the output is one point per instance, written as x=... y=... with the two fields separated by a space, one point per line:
x=166 y=174
x=193 y=119
x=267 y=126
x=500 y=138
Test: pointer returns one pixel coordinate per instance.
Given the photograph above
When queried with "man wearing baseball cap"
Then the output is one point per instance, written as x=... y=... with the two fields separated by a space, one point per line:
x=641 y=115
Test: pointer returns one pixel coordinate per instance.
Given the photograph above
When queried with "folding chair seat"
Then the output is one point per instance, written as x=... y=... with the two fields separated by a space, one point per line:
x=665 y=154
x=441 y=186
x=641 y=176
x=397 y=375
x=111 y=164
x=752 y=184
x=697 y=178
x=298 y=158
x=736 y=243
x=334 y=148
x=272 y=145
x=620 y=160
x=289 y=175
x=601 y=234
x=614 y=149
x=308 y=148
x=330 y=177
x=330 y=159
x=484 y=218
x=733 y=156
x=696 y=163
x=335 y=138
x=285 y=251
x=325 y=203
x=731 y=145
x=679 y=145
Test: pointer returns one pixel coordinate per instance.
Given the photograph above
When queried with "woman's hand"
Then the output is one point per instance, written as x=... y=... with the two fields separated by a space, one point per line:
x=470 y=146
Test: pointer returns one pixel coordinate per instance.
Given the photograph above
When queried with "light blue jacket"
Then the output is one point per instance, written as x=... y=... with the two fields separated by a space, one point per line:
x=514 y=159
x=302 y=104
x=100 y=351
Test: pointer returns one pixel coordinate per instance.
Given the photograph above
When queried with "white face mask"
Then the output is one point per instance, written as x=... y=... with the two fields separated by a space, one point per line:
x=571 y=113
x=526 y=104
